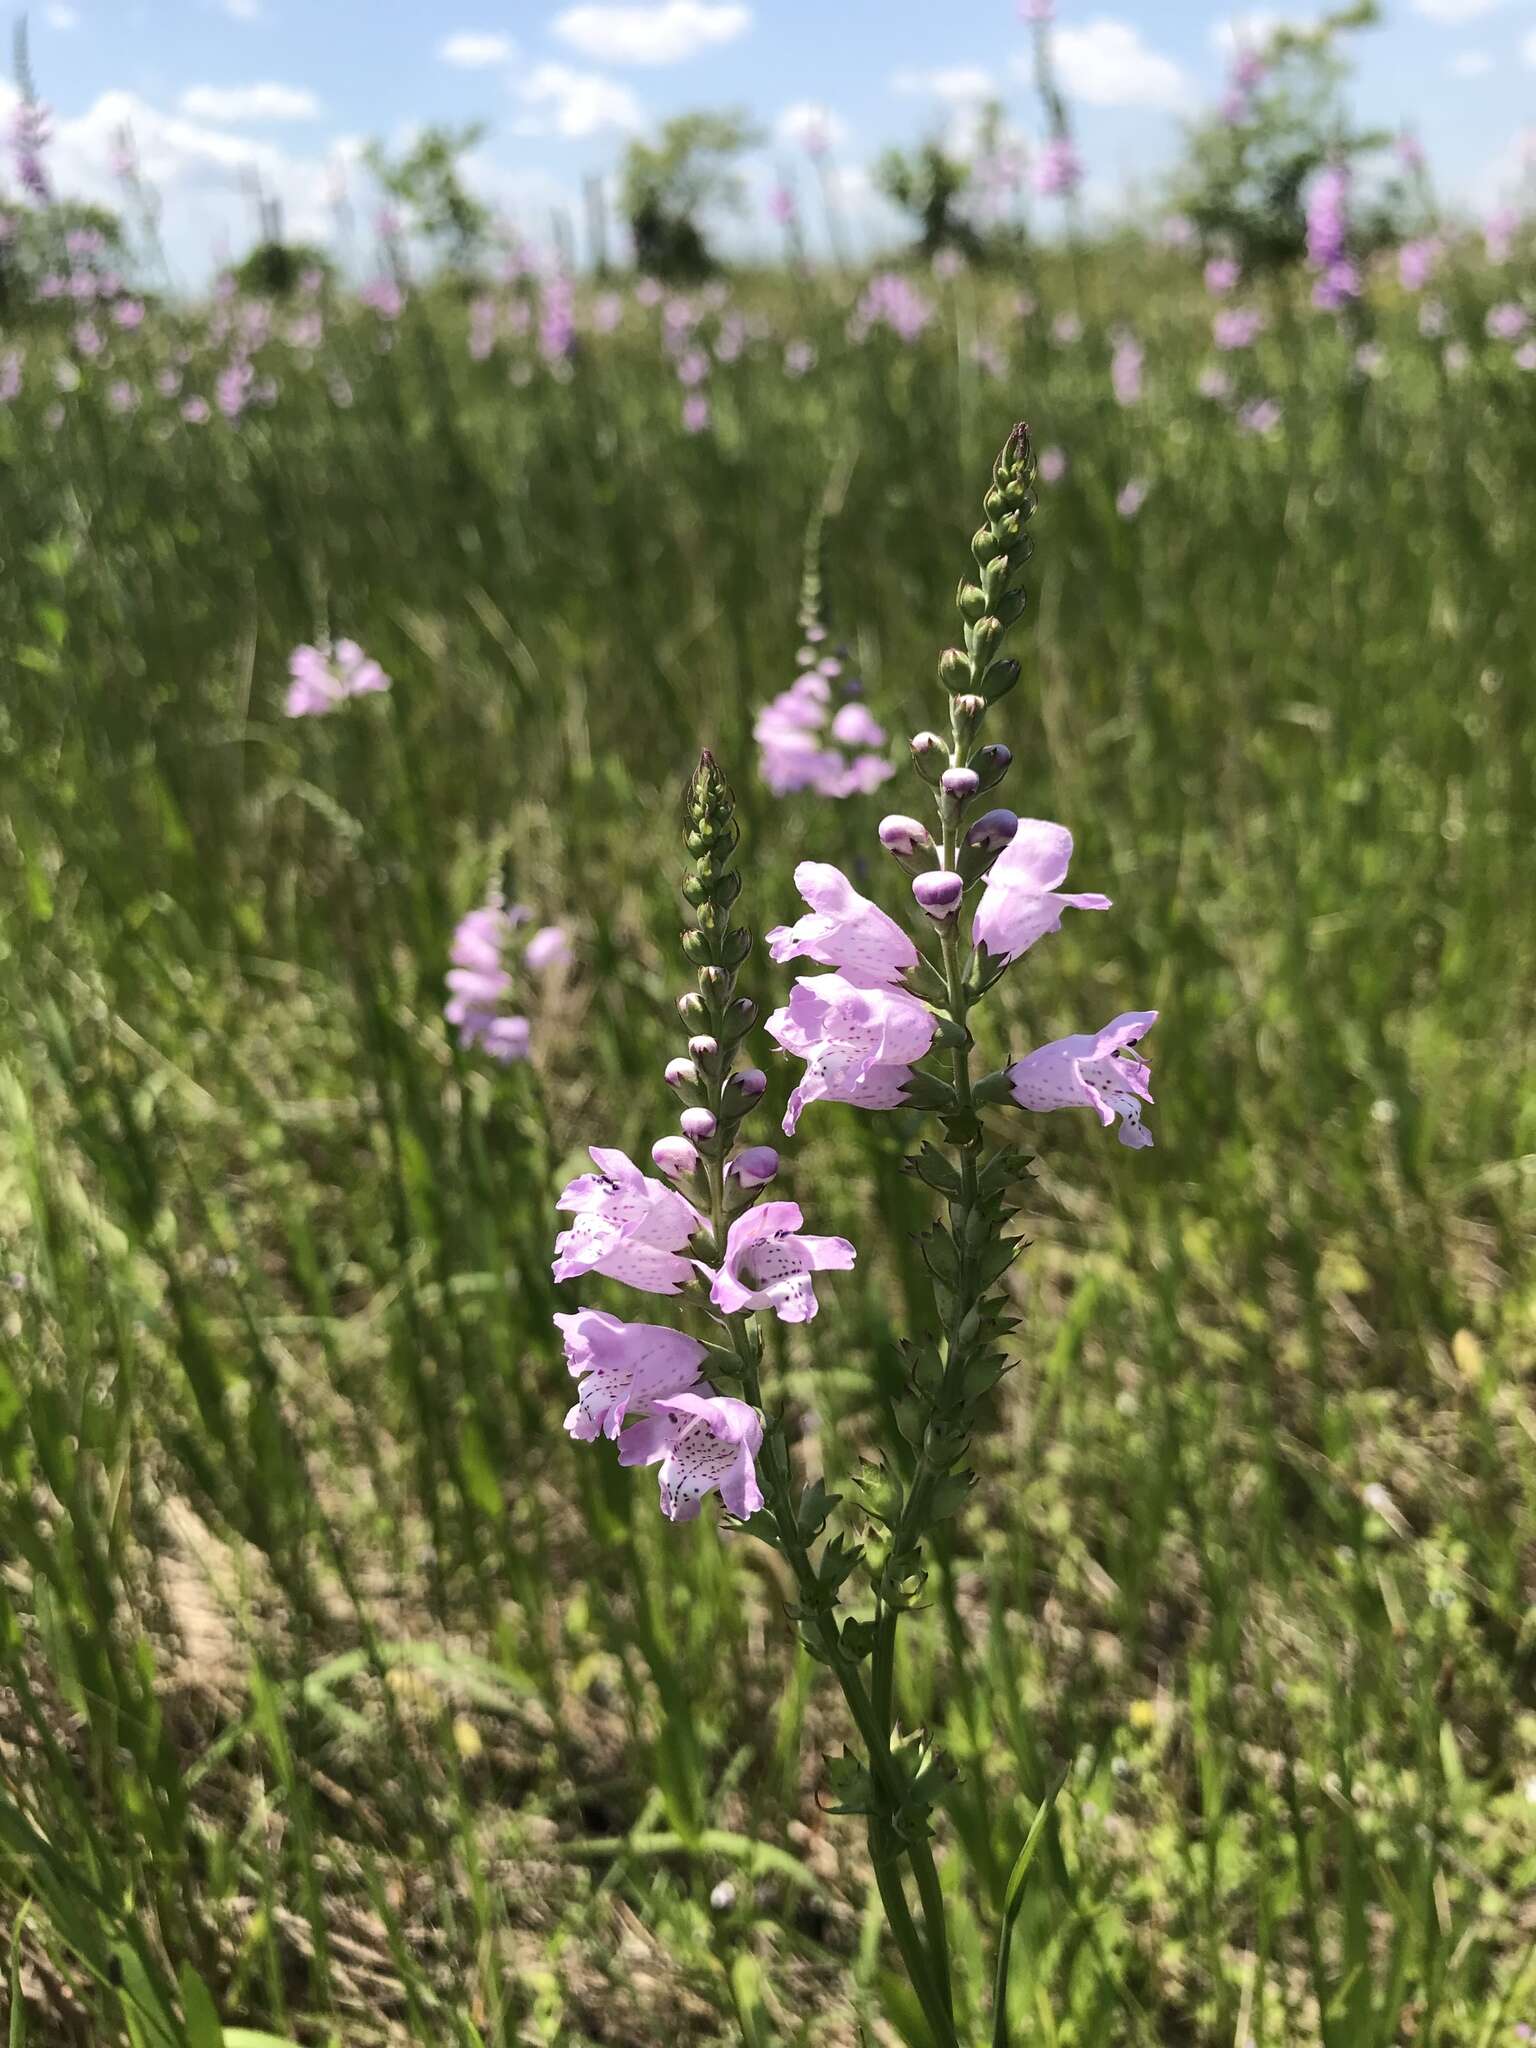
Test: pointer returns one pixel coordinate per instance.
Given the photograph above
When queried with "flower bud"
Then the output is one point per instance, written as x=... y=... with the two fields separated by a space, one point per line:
x=749 y=1085
x=992 y=831
x=739 y=1019
x=703 y=1047
x=698 y=1124
x=993 y=763
x=674 y=1157
x=954 y=669
x=900 y=834
x=690 y=1008
x=938 y=893
x=714 y=982
x=681 y=1074
x=970 y=707
x=960 y=783
x=755 y=1167
x=929 y=753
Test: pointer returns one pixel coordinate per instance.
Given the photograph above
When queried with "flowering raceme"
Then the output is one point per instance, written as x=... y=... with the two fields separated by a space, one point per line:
x=324 y=677
x=480 y=981
x=705 y=1237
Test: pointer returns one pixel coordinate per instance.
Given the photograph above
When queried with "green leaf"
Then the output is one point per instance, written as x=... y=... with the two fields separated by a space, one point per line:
x=199 y=2011
x=1013 y=1900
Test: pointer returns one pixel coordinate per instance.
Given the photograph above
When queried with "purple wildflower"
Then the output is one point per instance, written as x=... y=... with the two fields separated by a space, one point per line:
x=859 y=1044
x=769 y=1262
x=1237 y=327
x=1085 y=1070
x=1058 y=169
x=627 y=1226
x=622 y=1368
x=843 y=929
x=1020 y=903
x=326 y=677
x=705 y=1443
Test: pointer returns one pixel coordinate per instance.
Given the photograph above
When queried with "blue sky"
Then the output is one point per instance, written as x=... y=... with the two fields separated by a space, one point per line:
x=220 y=92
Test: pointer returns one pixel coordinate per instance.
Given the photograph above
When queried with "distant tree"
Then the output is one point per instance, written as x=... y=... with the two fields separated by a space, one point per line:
x=273 y=268
x=670 y=183
x=426 y=179
x=931 y=185
x=1246 y=168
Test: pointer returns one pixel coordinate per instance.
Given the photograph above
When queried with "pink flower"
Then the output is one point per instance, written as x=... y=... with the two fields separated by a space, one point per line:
x=768 y=1263
x=627 y=1225
x=1019 y=904
x=1237 y=327
x=859 y=1044
x=1133 y=496
x=322 y=678
x=1052 y=465
x=1084 y=1069
x=843 y=930
x=1125 y=370
x=696 y=413
x=1058 y=169
x=1506 y=322
x=792 y=753
x=706 y=1443
x=480 y=981
x=1221 y=275
x=622 y=1368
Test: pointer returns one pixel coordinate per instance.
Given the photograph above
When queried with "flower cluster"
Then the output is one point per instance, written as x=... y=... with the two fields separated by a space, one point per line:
x=1328 y=239
x=803 y=743
x=863 y=1029
x=326 y=676
x=480 y=981
x=700 y=1231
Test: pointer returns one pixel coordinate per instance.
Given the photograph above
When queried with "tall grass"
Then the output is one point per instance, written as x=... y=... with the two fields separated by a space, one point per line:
x=340 y=1699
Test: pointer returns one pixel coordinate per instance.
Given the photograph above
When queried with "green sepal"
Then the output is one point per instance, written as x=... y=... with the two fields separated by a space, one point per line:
x=930 y=1166
x=859 y=1636
x=815 y=1505
x=851 y=1785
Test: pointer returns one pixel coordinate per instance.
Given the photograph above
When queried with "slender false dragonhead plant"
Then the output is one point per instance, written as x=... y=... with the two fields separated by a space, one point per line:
x=887 y=1025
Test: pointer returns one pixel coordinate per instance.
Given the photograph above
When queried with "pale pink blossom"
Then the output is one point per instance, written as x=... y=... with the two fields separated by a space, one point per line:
x=1086 y=1070
x=627 y=1226
x=622 y=1368
x=843 y=929
x=769 y=1262
x=705 y=1443
x=1020 y=903
x=859 y=1044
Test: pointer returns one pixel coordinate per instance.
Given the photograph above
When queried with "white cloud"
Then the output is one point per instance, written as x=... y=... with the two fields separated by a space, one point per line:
x=955 y=83
x=1471 y=64
x=663 y=34
x=1454 y=11
x=471 y=52
x=575 y=103
x=249 y=103
x=809 y=125
x=58 y=15
x=1106 y=64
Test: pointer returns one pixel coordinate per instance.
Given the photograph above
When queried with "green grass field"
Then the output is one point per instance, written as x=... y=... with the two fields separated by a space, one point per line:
x=344 y=1700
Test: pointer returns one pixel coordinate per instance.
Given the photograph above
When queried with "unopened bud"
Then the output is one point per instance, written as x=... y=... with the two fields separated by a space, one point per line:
x=703 y=1047
x=755 y=1167
x=960 y=783
x=699 y=1124
x=681 y=1074
x=993 y=829
x=690 y=1007
x=674 y=1157
x=900 y=834
x=939 y=892
x=993 y=763
x=954 y=669
x=744 y=1088
x=929 y=753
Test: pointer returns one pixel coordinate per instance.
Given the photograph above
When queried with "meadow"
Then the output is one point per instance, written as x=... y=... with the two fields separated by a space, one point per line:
x=344 y=1700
